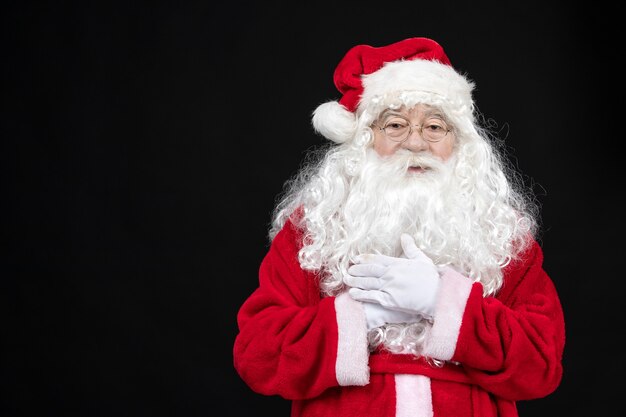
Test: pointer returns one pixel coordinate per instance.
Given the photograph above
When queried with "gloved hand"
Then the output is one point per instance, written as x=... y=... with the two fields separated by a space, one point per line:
x=377 y=315
x=405 y=284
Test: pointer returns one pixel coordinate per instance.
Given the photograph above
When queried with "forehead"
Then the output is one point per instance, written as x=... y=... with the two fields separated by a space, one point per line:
x=419 y=110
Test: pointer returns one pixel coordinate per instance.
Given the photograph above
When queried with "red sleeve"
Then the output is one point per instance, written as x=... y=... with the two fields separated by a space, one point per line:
x=512 y=344
x=292 y=342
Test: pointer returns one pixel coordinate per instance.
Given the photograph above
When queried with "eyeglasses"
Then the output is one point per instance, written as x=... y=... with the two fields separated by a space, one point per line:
x=398 y=129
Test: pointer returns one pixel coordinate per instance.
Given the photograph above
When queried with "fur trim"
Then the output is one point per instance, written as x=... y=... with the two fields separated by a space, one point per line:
x=449 y=309
x=418 y=75
x=334 y=122
x=413 y=396
x=352 y=366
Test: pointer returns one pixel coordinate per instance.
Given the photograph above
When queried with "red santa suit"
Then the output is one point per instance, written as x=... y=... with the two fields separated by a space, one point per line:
x=313 y=350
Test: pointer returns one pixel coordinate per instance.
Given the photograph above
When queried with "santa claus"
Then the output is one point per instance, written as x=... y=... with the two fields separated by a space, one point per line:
x=403 y=276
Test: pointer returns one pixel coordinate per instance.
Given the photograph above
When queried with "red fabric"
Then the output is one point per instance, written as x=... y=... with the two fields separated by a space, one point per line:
x=287 y=343
x=509 y=347
x=385 y=362
x=365 y=59
x=512 y=345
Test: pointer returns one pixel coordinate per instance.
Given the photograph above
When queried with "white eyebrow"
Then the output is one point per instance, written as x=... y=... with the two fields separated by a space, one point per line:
x=434 y=112
x=390 y=112
x=428 y=113
x=386 y=114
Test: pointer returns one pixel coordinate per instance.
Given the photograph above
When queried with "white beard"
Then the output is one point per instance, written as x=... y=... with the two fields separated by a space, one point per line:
x=458 y=215
x=385 y=200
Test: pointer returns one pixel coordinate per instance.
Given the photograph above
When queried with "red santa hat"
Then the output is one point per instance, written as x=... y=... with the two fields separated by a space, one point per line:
x=414 y=70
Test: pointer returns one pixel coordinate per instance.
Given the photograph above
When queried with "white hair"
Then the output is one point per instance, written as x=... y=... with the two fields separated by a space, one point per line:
x=470 y=212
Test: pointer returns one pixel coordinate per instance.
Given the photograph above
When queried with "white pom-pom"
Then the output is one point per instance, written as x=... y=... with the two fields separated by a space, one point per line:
x=334 y=121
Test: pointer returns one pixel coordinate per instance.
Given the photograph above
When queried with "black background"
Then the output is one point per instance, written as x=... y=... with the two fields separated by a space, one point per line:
x=143 y=147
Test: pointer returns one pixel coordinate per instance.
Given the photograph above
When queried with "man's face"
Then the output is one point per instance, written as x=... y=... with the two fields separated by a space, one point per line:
x=427 y=139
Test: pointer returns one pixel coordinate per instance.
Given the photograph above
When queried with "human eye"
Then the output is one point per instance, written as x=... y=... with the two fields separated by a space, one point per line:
x=396 y=124
x=435 y=126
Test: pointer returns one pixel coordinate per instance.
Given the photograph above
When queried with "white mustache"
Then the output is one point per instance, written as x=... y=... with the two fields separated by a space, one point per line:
x=406 y=159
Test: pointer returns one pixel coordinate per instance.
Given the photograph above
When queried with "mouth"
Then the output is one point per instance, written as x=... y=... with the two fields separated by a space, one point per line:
x=417 y=169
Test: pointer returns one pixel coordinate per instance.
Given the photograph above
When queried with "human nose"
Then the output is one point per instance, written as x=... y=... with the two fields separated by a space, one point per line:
x=415 y=141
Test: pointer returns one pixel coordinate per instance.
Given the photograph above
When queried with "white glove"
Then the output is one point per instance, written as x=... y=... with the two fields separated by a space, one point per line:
x=377 y=315
x=405 y=284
